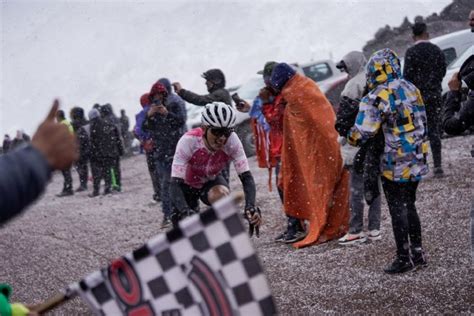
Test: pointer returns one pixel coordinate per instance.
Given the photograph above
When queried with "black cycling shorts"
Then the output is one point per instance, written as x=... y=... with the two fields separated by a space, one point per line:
x=193 y=195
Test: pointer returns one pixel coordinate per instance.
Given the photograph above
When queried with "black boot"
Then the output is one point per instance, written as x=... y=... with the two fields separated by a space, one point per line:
x=418 y=257
x=401 y=264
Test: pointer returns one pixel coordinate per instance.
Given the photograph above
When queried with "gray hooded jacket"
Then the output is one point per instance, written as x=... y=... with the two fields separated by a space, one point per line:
x=355 y=62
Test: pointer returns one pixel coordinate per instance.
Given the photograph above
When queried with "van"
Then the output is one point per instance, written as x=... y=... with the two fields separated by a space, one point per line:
x=454 y=44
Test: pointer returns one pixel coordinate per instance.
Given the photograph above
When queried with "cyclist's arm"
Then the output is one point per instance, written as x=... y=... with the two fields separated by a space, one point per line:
x=178 y=172
x=177 y=195
x=241 y=165
x=249 y=188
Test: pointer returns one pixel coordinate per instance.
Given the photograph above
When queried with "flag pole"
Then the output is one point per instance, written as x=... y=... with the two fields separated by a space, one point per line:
x=53 y=302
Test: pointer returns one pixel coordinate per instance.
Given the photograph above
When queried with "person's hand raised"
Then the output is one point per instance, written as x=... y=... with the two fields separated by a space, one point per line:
x=454 y=83
x=176 y=86
x=55 y=141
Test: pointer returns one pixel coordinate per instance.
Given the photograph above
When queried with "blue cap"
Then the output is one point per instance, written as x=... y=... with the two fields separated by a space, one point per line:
x=280 y=75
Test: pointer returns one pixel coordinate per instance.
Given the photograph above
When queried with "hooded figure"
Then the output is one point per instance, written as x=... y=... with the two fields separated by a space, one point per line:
x=82 y=130
x=174 y=98
x=363 y=163
x=395 y=105
x=314 y=182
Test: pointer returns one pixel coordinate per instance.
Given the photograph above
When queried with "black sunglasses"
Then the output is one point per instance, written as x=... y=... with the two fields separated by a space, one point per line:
x=223 y=131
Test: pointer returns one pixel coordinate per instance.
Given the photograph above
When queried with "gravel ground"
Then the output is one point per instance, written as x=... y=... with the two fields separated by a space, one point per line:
x=59 y=240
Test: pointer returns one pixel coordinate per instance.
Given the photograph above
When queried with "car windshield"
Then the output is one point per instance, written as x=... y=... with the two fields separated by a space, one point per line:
x=250 y=89
x=318 y=72
x=462 y=58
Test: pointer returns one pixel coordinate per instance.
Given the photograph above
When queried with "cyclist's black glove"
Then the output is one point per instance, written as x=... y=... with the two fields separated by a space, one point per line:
x=254 y=217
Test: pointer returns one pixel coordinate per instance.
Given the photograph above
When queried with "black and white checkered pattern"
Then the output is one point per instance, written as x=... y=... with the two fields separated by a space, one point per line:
x=207 y=266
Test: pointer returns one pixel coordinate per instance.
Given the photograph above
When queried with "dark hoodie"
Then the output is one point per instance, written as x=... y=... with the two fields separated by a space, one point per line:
x=216 y=93
x=82 y=130
x=174 y=98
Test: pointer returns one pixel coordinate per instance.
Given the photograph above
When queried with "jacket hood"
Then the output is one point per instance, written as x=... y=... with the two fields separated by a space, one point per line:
x=166 y=82
x=281 y=73
x=355 y=62
x=216 y=76
x=383 y=67
x=77 y=114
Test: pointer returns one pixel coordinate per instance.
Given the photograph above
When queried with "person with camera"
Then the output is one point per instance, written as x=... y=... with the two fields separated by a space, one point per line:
x=202 y=153
x=459 y=117
x=165 y=122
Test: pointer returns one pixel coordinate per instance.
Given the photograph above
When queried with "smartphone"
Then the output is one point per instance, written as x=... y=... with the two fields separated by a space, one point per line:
x=236 y=98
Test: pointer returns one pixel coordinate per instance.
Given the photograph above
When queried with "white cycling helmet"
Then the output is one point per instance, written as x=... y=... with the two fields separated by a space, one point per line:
x=218 y=114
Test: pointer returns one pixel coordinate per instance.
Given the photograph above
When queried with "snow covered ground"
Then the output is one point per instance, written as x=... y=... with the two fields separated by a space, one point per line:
x=60 y=240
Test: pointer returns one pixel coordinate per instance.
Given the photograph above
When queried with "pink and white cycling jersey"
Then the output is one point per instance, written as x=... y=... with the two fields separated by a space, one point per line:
x=197 y=165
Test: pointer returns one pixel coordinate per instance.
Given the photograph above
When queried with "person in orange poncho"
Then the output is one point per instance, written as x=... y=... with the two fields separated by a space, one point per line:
x=314 y=182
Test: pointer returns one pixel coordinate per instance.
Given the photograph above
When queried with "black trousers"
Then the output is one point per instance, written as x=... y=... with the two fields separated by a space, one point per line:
x=83 y=172
x=101 y=169
x=67 y=186
x=434 y=105
x=406 y=225
x=150 y=161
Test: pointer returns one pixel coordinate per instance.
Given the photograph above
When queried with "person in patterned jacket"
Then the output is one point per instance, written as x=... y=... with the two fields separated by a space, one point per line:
x=395 y=105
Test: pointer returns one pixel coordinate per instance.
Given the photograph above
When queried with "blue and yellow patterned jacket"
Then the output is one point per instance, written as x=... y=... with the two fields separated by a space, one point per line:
x=396 y=106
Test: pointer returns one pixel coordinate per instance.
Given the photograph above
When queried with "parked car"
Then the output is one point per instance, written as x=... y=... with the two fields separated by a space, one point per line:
x=330 y=80
x=454 y=44
x=454 y=67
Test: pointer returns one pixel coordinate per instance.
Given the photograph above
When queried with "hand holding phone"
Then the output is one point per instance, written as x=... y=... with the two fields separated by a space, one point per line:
x=240 y=104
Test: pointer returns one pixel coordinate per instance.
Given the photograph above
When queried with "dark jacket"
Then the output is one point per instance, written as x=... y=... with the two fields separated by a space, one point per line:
x=458 y=117
x=166 y=130
x=104 y=140
x=83 y=137
x=425 y=67
x=23 y=176
x=172 y=97
x=219 y=94
x=367 y=159
x=81 y=129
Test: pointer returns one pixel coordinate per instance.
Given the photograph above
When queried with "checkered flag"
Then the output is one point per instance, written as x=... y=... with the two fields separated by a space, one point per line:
x=206 y=266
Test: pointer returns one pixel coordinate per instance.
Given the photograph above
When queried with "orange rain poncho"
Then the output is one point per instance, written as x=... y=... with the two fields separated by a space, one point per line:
x=315 y=185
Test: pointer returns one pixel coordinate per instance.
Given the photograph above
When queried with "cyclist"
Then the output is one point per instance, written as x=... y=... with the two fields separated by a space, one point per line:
x=201 y=155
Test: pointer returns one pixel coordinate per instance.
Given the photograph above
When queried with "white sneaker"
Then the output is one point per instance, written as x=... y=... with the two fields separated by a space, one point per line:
x=374 y=234
x=350 y=239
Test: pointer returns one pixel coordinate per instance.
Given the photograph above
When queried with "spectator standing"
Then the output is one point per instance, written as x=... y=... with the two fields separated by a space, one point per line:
x=6 y=143
x=354 y=159
x=165 y=121
x=105 y=148
x=266 y=115
x=148 y=145
x=425 y=67
x=315 y=184
x=20 y=140
x=395 y=105
x=109 y=117
x=173 y=97
x=82 y=130
x=124 y=129
x=67 y=186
